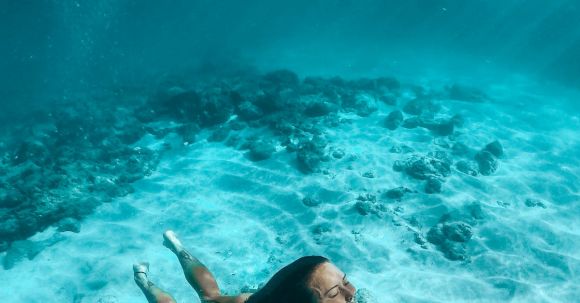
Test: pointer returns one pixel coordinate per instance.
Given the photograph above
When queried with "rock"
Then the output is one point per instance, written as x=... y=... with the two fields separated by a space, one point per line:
x=438 y=127
x=184 y=106
x=368 y=174
x=389 y=99
x=435 y=235
x=107 y=299
x=279 y=79
x=310 y=154
x=454 y=251
x=399 y=166
x=188 y=132
x=467 y=167
x=269 y=102
x=388 y=83
x=413 y=122
x=368 y=207
x=530 y=202
x=131 y=133
x=420 y=106
x=461 y=149
x=261 y=150
x=475 y=210
x=401 y=149
x=435 y=165
x=433 y=186
x=10 y=197
x=486 y=162
x=69 y=224
x=248 y=111
x=457 y=231
x=237 y=125
x=458 y=120
x=364 y=104
x=338 y=154
x=145 y=114
x=466 y=93
x=32 y=150
x=317 y=106
x=233 y=141
x=495 y=148
x=418 y=238
x=394 y=119
x=219 y=135
x=397 y=193
x=322 y=228
x=311 y=202
x=216 y=108
x=450 y=238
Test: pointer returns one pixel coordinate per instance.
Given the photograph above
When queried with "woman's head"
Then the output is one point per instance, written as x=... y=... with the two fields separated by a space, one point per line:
x=330 y=284
x=311 y=279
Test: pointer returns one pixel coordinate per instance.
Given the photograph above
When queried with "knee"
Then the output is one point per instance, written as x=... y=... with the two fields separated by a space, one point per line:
x=165 y=299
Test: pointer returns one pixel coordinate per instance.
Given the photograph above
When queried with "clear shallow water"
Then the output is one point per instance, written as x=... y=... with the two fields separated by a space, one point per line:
x=246 y=218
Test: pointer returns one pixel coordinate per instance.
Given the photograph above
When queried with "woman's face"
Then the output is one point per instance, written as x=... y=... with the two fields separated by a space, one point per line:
x=331 y=285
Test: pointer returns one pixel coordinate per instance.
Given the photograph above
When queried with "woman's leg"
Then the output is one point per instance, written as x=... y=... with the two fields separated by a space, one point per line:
x=198 y=276
x=153 y=293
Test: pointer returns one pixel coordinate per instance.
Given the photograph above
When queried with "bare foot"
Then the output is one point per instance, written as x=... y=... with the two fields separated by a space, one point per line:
x=140 y=271
x=170 y=241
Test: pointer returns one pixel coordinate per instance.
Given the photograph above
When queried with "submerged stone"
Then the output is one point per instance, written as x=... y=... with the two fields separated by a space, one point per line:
x=394 y=119
x=467 y=167
x=69 y=224
x=310 y=154
x=338 y=154
x=454 y=251
x=438 y=127
x=433 y=186
x=424 y=167
x=530 y=202
x=248 y=111
x=495 y=148
x=413 y=122
x=401 y=149
x=311 y=202
x=397 y=193
x=457 y=231
x=420 y=106
x=219 y=135
x=450 y=238
x=261 y=150
x=466 y=93
x=486 y=162
x=317 y=107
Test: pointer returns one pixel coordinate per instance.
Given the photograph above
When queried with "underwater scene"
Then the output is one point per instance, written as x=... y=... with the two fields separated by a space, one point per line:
x=429 y=150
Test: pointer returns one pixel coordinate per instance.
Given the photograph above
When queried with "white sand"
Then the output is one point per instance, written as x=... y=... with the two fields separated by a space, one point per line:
x=245 y=220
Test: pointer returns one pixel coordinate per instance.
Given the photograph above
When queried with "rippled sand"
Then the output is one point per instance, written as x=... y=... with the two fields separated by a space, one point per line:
x=246 y=219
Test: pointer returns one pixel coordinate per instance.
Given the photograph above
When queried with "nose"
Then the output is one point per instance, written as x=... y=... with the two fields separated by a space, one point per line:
x=349 y=291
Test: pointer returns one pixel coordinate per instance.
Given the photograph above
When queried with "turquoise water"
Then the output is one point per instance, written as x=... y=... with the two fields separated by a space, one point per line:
x=430 y=150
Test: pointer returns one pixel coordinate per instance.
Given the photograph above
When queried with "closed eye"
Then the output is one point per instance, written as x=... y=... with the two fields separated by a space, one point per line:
x=335 y=293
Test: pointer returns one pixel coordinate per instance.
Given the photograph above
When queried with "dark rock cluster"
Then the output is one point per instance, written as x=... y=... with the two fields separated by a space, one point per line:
x=450 y=238
x=85 y=153
x=433 y=167
x=60 y=170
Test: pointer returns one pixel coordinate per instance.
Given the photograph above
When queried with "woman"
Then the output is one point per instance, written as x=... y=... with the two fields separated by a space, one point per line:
x=311 y=279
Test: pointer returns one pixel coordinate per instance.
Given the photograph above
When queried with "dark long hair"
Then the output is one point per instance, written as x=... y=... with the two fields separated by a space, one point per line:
x=290 y=284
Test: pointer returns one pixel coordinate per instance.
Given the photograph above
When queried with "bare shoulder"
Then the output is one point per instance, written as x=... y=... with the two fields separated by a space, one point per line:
x=242 y=298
